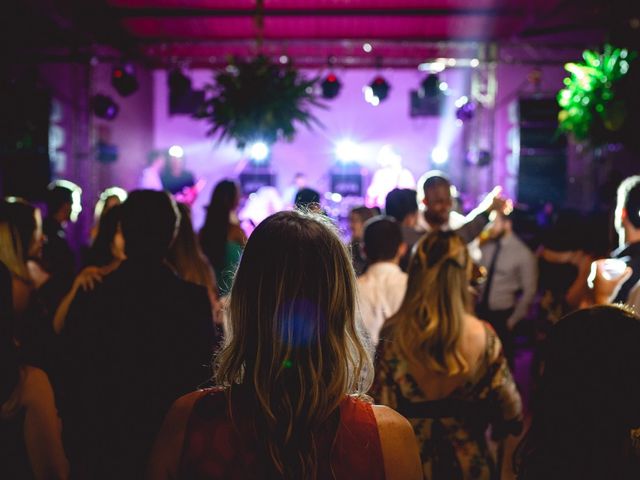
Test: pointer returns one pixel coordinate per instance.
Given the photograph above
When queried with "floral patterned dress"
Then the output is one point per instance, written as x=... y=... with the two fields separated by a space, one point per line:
x=451 y=431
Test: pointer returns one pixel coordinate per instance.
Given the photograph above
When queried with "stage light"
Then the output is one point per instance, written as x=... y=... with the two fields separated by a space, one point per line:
x=176 y=151
x=474 y=62
x=433 y=67
x=283 y=59
x=444 y=86
x=465 y=109
x=330 y=86
x=380 y=88
x=439 y=155
x=461 y=101
x=123 y=79
x=258 y=152
x=104 y=107
x=369 y=97
x=367 y=47
x=431 y=85
x=347 y=151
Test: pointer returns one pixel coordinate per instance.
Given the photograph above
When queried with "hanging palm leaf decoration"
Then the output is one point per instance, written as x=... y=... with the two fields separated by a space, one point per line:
x=593 y=104
x=259 y=100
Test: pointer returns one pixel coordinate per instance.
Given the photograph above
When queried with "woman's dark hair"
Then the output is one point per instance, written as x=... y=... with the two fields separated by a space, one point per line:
x=100 y=253
x=185 y=255
x=588 y=400
x=21 y=214
x=214 y=233
x=9 y=364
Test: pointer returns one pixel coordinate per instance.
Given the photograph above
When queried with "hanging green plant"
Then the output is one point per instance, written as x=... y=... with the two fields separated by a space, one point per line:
x=259 y=100
x=593 y=106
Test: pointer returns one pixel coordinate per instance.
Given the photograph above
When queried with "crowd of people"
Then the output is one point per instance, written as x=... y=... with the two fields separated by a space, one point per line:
x=297 y=352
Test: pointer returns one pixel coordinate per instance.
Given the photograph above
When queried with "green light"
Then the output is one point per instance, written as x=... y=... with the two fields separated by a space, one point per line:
x=589 y=94
x=287 y=364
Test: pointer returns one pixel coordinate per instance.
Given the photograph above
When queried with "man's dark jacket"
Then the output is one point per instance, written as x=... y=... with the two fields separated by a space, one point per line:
x=133 y=345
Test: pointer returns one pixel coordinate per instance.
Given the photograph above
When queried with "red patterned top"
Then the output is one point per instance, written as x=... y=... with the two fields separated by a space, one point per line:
x=215 y=447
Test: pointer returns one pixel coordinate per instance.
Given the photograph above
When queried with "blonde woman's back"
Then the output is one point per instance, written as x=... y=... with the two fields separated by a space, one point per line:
x=473 y=347
x=450 y=414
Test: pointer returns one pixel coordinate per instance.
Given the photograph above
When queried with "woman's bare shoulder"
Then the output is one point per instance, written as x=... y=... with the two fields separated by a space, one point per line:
x=399 y=445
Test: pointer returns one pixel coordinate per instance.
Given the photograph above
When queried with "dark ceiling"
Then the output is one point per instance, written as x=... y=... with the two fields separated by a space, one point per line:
x=402 y=33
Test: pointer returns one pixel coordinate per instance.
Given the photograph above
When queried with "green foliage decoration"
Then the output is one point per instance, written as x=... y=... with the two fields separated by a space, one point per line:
x=259 y=100
x=593 y=108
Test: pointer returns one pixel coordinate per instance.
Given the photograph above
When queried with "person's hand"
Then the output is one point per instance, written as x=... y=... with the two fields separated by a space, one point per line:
x=38 y=275
x=494 y=201
x=603 y=286
x=88 y=278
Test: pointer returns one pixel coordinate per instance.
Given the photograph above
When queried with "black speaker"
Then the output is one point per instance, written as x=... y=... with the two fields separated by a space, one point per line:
x=542 y=178
x=425 y=105
x=347 y=184
x=253 y=178
x=542 y=173
x=185 y=103
x=25 y=110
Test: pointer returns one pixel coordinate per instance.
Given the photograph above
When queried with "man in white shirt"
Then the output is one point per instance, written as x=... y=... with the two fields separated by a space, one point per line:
x=150 y=178
x=436 y=202
x=381 y=288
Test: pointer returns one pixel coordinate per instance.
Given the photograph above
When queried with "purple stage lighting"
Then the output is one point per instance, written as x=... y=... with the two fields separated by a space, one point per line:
x=104 y=107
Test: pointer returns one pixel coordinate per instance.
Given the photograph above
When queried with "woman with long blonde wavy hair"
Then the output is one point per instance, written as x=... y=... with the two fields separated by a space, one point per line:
x=292 y=374
x=443 y=369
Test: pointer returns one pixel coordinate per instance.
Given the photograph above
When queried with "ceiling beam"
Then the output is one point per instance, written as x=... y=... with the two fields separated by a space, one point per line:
x=186 y=12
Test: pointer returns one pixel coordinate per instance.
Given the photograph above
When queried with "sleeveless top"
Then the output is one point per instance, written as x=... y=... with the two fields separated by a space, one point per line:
x=217 y=447
x=451 y=431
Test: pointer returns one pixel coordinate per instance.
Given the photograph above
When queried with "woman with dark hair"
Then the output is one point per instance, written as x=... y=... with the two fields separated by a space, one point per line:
x=293 y=375
x=444 y=369
x=21 y=239
x=104 y=256
x=21 y=242
x=30 y=434
x=108 y=199
x=186 y=257
x=586 y=417
x=221 y=237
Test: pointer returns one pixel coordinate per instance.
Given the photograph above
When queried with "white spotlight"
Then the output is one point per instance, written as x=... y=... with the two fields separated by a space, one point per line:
x=369 y=96
x=176 y=151
x=474 y=62
x=347 y=151
x=439 y=155
x=461 y=101
x=284 y=59
x=259 y=151
x=444 y=86
x=367 y=47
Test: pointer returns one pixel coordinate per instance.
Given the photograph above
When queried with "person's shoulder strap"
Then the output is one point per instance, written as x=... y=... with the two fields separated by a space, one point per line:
x=358 y=445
